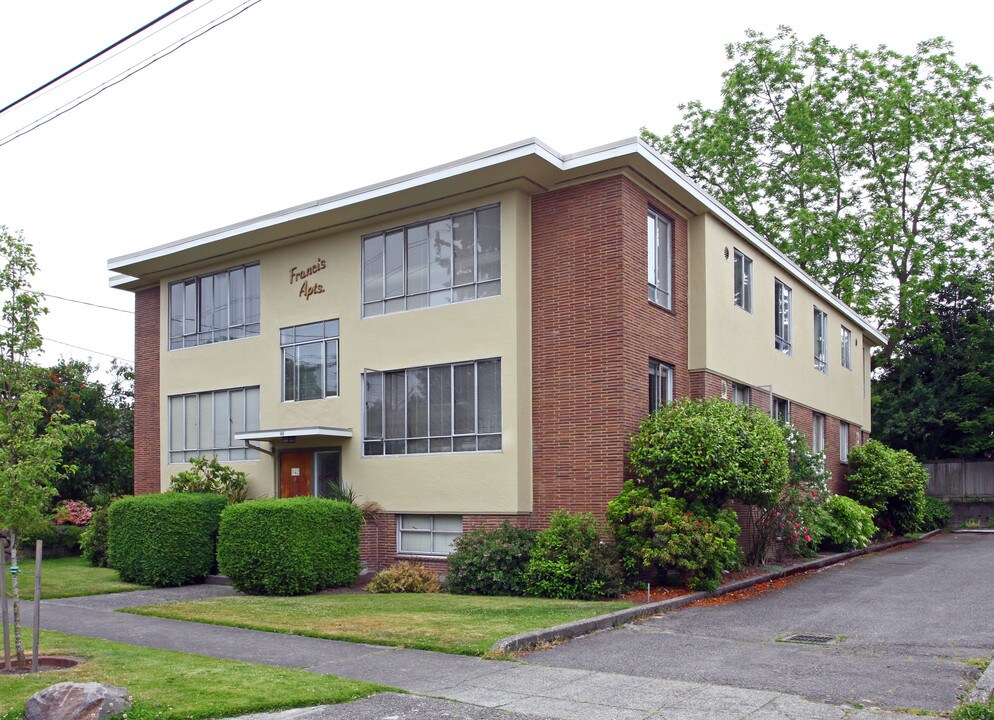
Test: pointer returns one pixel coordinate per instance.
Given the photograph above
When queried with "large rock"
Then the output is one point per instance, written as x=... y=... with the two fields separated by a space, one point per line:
x=77 y=701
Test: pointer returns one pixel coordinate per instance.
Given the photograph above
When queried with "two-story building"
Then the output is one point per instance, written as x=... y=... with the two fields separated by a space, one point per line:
x=478 y=341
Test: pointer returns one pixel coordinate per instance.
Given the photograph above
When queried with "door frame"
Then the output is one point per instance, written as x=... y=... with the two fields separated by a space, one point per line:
x=313 y=451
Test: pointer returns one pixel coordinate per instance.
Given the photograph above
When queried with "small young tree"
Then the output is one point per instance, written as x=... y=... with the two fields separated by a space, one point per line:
x=30 y=459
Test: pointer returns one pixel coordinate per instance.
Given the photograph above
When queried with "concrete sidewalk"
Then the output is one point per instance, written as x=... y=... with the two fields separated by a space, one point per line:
x=457 y=686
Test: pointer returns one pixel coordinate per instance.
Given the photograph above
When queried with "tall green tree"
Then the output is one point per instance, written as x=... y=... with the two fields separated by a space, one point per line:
x=31 y=439
x=935 y=397
x=869 y=168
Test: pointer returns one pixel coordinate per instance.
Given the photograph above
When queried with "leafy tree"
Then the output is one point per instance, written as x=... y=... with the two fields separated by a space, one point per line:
x=935 y=397
x=871 y=169
x=31 y=440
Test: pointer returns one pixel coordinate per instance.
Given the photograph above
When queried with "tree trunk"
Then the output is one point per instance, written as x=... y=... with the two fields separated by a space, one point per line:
x=16 y=594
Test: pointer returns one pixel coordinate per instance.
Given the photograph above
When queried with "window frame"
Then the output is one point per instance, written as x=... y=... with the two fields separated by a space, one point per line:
x=742 y=280
x=660 y=384
x=820 y=340
x=188 y=450
x=782 y=321
x=659 y=262
x=430 y=532
x=179 y=291
x=843 y=442
x=817 y=433
x=846 y=334
x=779 y=402
x=325 y=341
x=741 y=394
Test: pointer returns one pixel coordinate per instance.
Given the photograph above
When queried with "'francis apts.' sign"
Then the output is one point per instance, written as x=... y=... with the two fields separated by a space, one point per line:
x=301 y=275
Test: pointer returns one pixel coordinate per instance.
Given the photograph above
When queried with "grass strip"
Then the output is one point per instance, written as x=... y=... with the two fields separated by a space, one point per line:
x=170 y=685
x=458 y=624
x=70 y=577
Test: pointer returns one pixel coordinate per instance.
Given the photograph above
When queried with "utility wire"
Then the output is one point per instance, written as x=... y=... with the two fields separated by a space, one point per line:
x=90 y=59
x=78 y=347
x=121 y=77
x=83 y=302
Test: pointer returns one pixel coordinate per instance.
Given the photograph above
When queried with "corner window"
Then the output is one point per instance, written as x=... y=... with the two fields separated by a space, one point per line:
x=214 y=308
x=427 y=534
x=660 y=237
x=742 y=294
x=781 y=410
x=846 y=348
x=781 y=318
x=821 y=341
x=818 y=433
x=436 y=409
x=205 y=424
x=660 y=385
x=741 y=394
x=844 y=441
x=447 y=260
x=310 y=360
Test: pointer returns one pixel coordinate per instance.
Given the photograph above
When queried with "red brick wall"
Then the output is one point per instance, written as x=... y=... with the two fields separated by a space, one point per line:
x=593 y=332
x=147 y=443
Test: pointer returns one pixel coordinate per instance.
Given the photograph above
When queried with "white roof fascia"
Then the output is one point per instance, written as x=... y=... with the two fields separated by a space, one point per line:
x=276 y=433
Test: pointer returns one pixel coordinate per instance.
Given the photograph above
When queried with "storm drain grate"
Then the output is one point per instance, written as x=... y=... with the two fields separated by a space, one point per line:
x=812 y=639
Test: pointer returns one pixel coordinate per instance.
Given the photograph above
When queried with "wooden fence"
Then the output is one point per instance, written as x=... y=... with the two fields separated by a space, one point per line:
x=960 y=479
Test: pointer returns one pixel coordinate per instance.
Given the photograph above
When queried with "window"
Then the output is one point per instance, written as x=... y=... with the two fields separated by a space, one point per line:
x=781 y=318
x=447 y=260
x=214 y=308
x=427 y=534
x=821 y=341
x=741 y=394
x=436 y=409
x=844 y=442
x=743 y=281
x=818 y=432
x=781 y=410
x=205 y=424
x=846 y=348
x=310 y=360
x=660 y=259
x=660 y=385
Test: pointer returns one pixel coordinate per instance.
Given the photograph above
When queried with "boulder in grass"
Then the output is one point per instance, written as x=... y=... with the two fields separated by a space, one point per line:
x=77 y=701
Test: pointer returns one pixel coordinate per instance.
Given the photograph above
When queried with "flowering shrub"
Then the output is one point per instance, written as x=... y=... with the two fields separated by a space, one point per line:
x=207 y=475
x=73 y=512
x=491 y=562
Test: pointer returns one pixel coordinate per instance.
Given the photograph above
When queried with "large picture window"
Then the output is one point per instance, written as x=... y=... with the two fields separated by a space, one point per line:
x=660 y=244
x=821 y=340
x=742 y=290
x=435 y=409
x=214 y=308
x=781 y=318
x=447 y=260
x=427 y=534
x=205 y=424
x=310 y=360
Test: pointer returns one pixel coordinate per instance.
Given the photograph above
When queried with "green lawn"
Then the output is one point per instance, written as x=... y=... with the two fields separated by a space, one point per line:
x=69 y=577
x=458 y=624
x=171 y=685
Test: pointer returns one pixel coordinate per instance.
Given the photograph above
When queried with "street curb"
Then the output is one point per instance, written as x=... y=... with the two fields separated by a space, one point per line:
x=568 y=631
x=983 y=691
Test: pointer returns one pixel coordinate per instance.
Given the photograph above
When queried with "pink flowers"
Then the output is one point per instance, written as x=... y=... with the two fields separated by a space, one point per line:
x=73 y=512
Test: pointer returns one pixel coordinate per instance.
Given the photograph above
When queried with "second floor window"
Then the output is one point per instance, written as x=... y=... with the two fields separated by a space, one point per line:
x=447 y=260
x=781 y=318
x=310 y=360
x=742 y=294
x=821 y=340
x=846 y=348
x=660 y=243
x=214 y=308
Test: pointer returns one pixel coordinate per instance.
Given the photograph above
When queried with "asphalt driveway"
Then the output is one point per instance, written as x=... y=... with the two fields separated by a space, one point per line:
x=907 y=621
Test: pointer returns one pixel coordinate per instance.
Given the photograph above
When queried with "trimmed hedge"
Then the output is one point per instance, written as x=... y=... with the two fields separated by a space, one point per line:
x=292 y=546
x=164 y=539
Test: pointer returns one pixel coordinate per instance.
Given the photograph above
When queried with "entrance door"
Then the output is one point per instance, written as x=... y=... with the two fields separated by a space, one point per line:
x=295 y=473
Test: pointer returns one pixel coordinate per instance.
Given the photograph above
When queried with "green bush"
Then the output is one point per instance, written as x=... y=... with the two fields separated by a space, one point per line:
x=57 y=540
x=658 y=535
x=210 y=476
x=711 y=451
x=405 y=577
x=846 y=524
x=891 y=482
x=490 y=562
x=936 y=514
x=291 y=546
x=570 y=562
x=94 y=539
x=164 y=539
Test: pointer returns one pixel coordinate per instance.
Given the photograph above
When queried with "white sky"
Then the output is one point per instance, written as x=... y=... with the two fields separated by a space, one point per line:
x=295 y=100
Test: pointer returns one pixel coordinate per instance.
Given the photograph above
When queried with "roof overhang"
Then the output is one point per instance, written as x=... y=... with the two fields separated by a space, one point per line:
x=298 y=432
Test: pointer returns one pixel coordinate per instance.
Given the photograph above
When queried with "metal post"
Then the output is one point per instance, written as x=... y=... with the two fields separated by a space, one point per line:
x=3 y=600
x=34 y=646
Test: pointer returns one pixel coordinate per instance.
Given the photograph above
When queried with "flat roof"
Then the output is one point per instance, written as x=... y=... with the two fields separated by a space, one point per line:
x=285 y=433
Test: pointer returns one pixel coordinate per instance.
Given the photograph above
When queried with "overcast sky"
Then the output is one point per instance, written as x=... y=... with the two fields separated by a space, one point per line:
x=294 y=100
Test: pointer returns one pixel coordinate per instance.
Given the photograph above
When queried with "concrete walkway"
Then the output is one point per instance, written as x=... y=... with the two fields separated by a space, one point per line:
x=456 y=686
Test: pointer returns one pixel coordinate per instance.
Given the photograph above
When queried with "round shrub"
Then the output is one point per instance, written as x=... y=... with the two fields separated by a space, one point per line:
x=95 y=537
x=291 y=546
x=891 y=482
x=164 y=539
x=711 y=451
x=846 y=524
x=405 y=577
x=490 y=562
x=936 y=514
x=570 y=562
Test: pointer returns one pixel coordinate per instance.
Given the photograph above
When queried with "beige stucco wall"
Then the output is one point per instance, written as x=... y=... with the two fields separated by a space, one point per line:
x=486 y=482
x=740 y=345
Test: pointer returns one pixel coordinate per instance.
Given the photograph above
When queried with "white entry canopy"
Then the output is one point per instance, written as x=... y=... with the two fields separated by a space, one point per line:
x=299 y=432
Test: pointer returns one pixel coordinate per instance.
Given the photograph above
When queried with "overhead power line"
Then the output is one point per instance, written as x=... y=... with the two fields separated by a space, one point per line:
x=90 y=59
x=77 y=347
x=84 y=302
